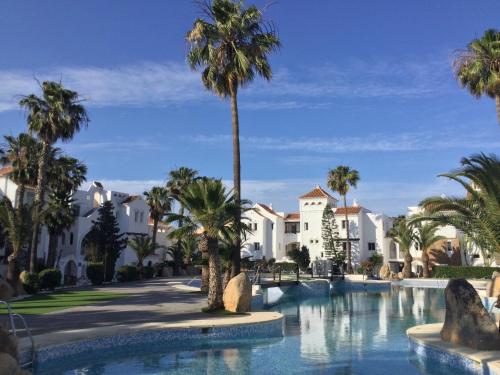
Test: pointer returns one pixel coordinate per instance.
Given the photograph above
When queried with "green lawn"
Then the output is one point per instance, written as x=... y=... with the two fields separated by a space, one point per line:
x=45 y=303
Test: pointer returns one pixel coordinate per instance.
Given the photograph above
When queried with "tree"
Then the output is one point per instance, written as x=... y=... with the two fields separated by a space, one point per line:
x=231 y=45
x=478 y=67
x=105 y=239
x=330 y=236
x=178 y=181
x=301 y=257
x=16 y=224
x=160 y=202
x=340 y=180
x=477 y=215
x=425 y=236
x=402 y=233
x=143 y=247
x=56 y=116
x=212 y=209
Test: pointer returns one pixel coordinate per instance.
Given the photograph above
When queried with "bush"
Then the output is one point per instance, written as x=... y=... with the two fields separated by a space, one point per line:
x=467 y=272
x=31 y=282
x=50 y=278
x=148 y=272
x=158 y=269
x=127 y=273
x=95 y=273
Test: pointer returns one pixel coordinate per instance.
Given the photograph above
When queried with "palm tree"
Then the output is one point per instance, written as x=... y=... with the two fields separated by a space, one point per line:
x=160 y=202
x=425 y=236
x=57 y=115
x=178 y=181
x=477 y=215
x=16 y=224
x=143 y=247
x=213 y=209
x=478 y=67
x=340 y=180
x=402 y=233
x=231 y=45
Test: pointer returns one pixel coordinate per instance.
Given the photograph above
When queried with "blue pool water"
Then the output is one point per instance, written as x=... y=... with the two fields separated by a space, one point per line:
x=345 y=333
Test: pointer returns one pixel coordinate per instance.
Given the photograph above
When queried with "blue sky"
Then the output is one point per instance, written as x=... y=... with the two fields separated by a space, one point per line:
x=363 y=83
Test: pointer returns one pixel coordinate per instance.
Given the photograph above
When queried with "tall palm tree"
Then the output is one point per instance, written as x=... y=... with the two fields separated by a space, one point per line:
x=178 y=181
x=160 y=202
x=425 y=236
x=478 y=67
x=402 y=233
x=213 y=209
x=16 y=224
x=231 y=45
x=340 y=180
x=143 y=247
x=57 y=115
x=477 y=215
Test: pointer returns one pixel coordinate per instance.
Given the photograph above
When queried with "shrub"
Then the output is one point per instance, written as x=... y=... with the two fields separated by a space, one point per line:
x=148 y=272
x=158 y=269
x=50 y=278
x=127 y=273
x=31 y=282
x=95 y=273
x=467 y=272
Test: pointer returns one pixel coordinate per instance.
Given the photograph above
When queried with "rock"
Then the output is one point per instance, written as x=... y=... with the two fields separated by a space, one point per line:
x=6 y=291
x=9 y=366
x=493 y=287
x=238 y=294
x=8 y=344
x=467 y=322
x=385 y=272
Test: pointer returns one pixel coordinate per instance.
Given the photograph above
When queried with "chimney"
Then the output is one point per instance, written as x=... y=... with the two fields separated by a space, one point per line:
x=355 y=203
x=271 y=206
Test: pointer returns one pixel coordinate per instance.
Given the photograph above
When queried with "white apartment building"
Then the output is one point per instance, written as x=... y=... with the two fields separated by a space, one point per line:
x=131 y=211
x=274 y=234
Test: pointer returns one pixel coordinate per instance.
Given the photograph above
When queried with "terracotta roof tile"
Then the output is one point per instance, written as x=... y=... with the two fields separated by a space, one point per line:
x=5 y=171
x=130 y=198
x=292 y=216
x=350 y=210
x=317 y=192
x=268 y=209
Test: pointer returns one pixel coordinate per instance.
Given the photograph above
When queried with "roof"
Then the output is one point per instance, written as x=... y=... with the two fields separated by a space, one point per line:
x=97 y=184
x=292 y=216
x=350 y=210
x=5 y=171
x=317 y=192
x=269 y=209
x=130 y=198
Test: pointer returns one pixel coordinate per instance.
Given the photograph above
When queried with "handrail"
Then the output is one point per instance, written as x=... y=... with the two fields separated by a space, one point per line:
x=11 y=318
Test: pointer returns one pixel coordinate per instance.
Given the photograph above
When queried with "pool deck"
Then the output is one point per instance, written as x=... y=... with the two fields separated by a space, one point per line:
x=428 y=335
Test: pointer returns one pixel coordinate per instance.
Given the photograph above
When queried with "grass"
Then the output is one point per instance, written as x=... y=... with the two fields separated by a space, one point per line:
x=46 y=303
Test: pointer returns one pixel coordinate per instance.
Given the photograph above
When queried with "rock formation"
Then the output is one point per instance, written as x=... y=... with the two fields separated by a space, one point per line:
x=238 y=294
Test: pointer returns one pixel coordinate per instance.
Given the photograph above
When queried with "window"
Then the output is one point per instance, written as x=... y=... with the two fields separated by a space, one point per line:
x=319 y=203
x=371 y=246
x=313 y=203
x=306 y=204
x=321 y=255
x=344 y=224
x=448 y=246
x=63 y=238
x=272 y=226
x=311 y=241
x=71 y=238
x=256 y=246
x=416 y=246
x=142 y=216
x=136 y=216
x=254 y=226
x=344 y=246
x=292 y=228
x=317 y=241
x=306 y=226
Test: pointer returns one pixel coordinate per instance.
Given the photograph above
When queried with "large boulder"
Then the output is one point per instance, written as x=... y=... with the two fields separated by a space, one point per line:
x=493 y=286
x=6 y=291
x=9 y=366
x=467 y=322
x=238 y=294
x=385 y=272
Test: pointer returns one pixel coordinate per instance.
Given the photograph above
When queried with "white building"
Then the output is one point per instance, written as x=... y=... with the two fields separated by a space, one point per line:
x=131 y=211
x=274 y=234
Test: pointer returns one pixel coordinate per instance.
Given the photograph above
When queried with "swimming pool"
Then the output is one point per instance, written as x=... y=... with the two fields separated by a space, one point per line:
x=345 y=333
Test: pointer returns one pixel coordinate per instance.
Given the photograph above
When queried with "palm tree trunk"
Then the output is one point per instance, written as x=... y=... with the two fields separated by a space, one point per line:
x=348 y=242
x=407 y=267
x=13 y=271
x=20 y=196
x=203 y=246
x=38 y=202
x=497 y=102
x=425 y=263
x=236 y=256
x=215 y=279
x=155 y=230
x=51 y=255
x=179 y=243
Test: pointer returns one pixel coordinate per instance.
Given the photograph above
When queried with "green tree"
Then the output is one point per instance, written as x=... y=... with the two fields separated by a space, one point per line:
x=16 y=225
x=231 y=45
x=178 y=181
x=160 y=202
x=478 y=67
x=330 y=236
x=301 y=257
x=211 y=208
x=105 y=239
x=143 y=247
x=425 y=236
x=56 y=116
x=477 y=215
x=341 y=179
x=402 y=233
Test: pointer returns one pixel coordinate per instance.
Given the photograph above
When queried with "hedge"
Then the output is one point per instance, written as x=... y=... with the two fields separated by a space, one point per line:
x=467 y=272
x=50 y=278
x=95 y=273
x=127 y=273
x=31 y=282
x=148 y=272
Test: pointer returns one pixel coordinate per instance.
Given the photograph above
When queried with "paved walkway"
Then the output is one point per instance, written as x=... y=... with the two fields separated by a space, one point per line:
x=155 y=300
